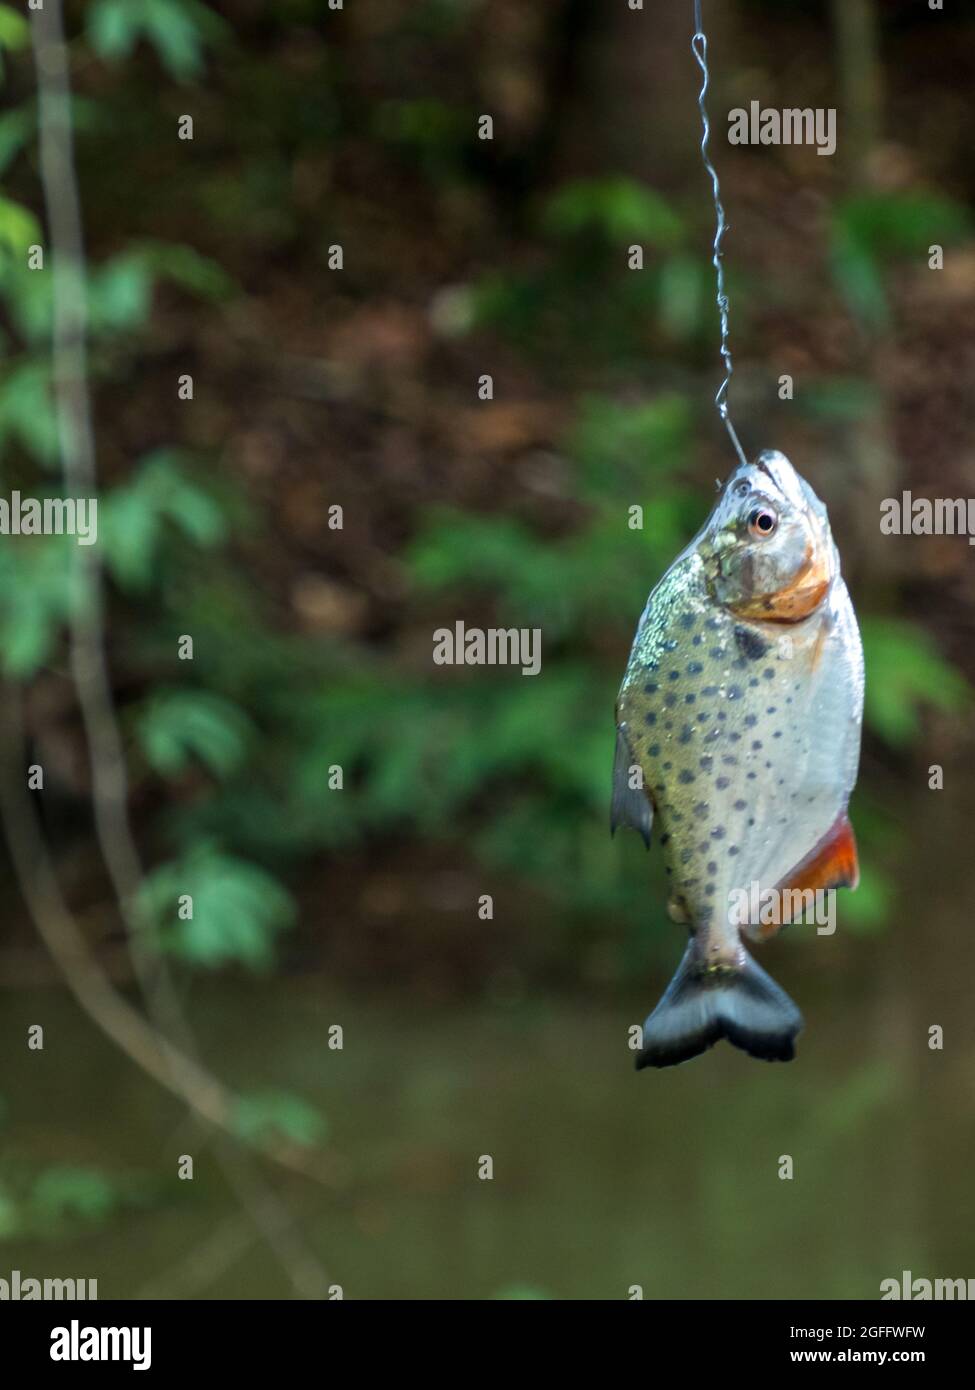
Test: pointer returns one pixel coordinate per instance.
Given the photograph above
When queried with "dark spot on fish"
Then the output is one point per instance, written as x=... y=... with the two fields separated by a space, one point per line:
x=668 y=723
x=694 y=668
x=702 y=846
x=664 y=839
x=703 y=718
x=674 y=676
x=777 y=734
x=752 y=683
x=751 y=820
x=756 y=745
x=721 y=783
x=650 y=718
x=718 y=833
x=717 y=653
x=732 y=851
x=715 y=733
x=686 y=734
x=651 y=688
x=689 y=699
x=713 y=867
x=668 y=766
x=734 y=738
x=769 y=674
x=685 y=856
x=653 y=749
x=671 y=645
x=706 y=764
x=668 y=869
x=788 y=699
x=670 y=699
x=750 y=721
x=709 y=890
x=696 y=641
x=740 y=806
x=686 y=777
x=751 y=777
x=730 y=760
x=722 y=716
x=677 y=817
x=735 y=692
x=713 y=624
x=710 y=690
x=687 y=621
x=750 y=644
x=770 y=710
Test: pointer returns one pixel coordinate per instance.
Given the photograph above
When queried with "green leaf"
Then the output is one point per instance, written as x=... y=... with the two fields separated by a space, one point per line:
x=113 y=27
x=177 y=725
x=263 y=1115
x=177 y=29
x=14 y=29
x=132 y=517
x=19 y=228
x=35 y=599
x=184 y=266
x=16 y=128
x=618 y=209
x=66 y=1191
x=906 y=671
x=238 y=909
x=27 y=410
x=119 y=294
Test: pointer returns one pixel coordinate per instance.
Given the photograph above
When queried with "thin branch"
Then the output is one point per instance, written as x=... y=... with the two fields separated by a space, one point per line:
x=151 y=1047
x=162 y=1060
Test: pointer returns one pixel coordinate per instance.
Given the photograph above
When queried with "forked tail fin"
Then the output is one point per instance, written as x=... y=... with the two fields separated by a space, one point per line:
x=741 y=1003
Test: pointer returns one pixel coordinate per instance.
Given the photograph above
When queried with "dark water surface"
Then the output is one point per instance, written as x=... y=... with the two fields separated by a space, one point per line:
x=602 y=1178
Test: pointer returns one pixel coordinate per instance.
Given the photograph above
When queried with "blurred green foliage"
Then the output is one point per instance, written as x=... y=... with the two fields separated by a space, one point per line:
x=872 y=229
x=61 y=1199
x=513 y=769
x=583 y=303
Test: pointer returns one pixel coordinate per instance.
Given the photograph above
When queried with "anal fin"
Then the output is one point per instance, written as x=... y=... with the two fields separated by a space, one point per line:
x=631 y=806
x=832 y=863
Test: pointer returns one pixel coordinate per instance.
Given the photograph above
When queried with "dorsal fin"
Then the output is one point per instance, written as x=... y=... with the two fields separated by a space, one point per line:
x=631 y=806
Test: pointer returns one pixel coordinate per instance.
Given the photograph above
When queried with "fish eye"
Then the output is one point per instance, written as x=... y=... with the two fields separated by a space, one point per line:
x=762 y=522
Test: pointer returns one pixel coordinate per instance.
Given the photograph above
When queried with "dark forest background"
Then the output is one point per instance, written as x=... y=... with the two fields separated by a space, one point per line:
x=316 y=387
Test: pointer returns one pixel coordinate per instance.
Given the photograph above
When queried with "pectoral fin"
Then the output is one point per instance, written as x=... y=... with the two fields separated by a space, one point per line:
x=631 y=806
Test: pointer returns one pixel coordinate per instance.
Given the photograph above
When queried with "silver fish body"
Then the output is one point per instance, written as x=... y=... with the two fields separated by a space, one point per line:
x=738 y=737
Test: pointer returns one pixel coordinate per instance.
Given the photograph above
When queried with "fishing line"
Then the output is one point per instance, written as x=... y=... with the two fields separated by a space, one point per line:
x=699 y=47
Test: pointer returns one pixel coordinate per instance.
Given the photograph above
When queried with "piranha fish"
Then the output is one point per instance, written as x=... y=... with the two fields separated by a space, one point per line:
x=738 y=739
